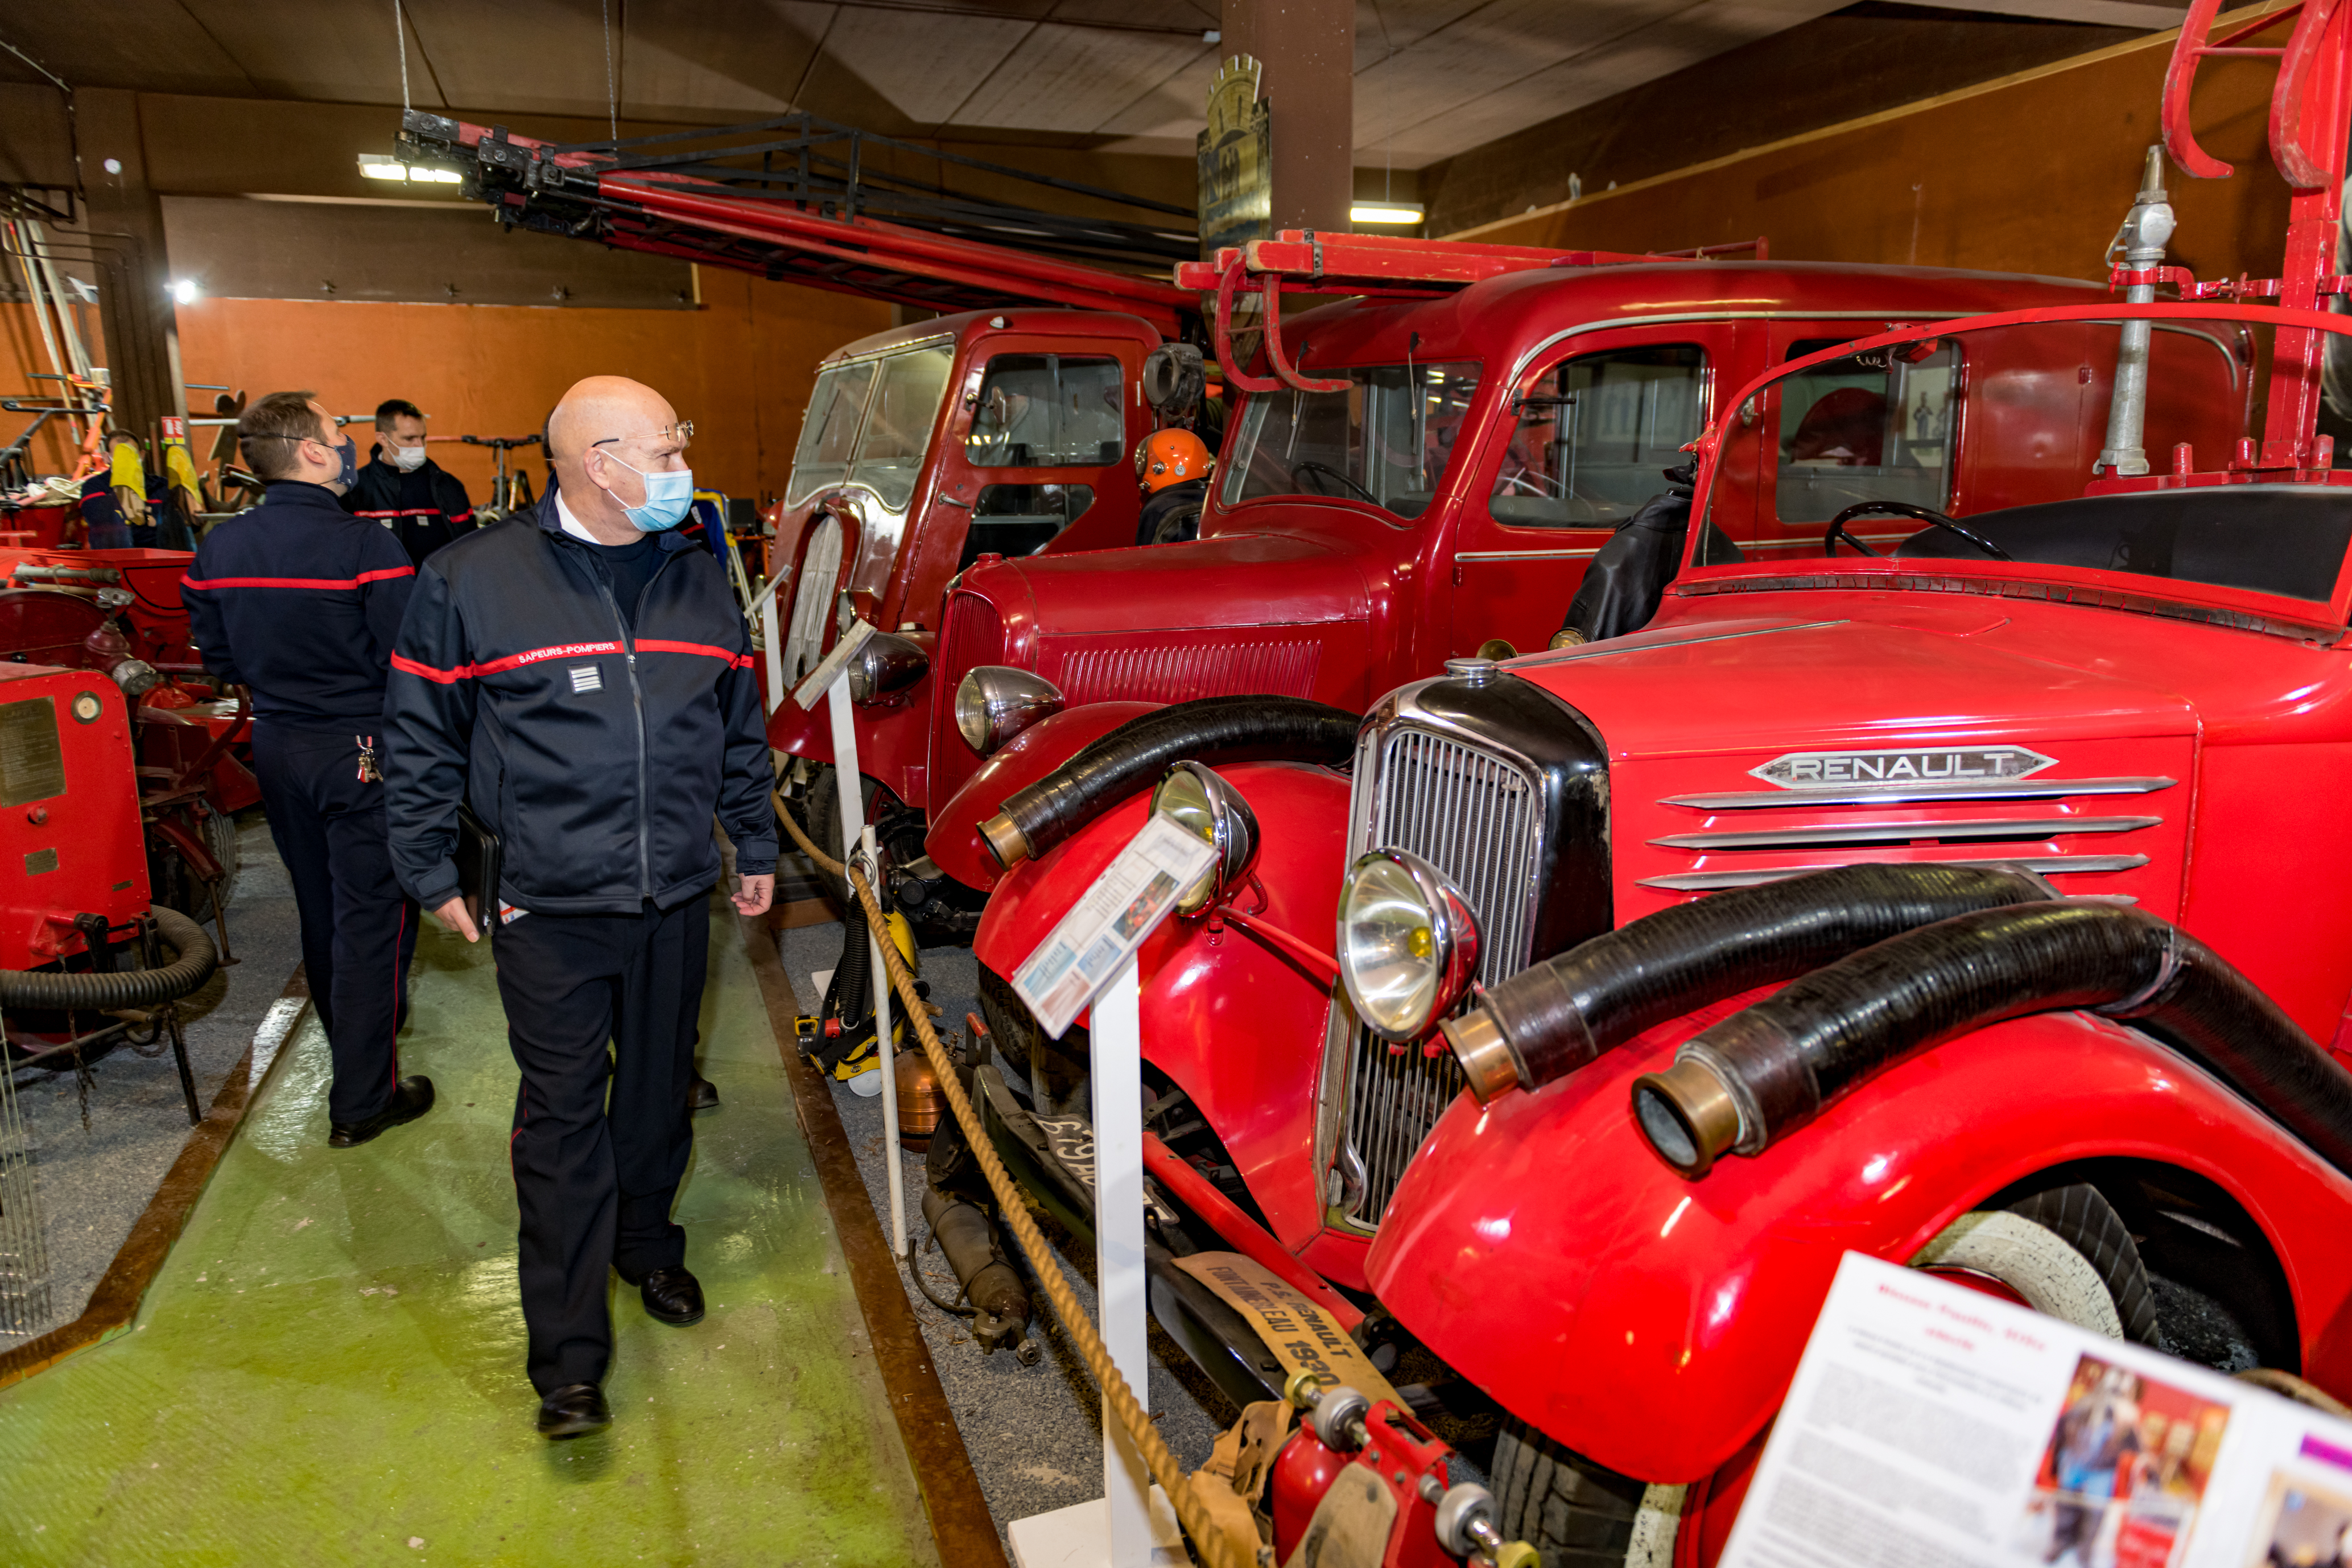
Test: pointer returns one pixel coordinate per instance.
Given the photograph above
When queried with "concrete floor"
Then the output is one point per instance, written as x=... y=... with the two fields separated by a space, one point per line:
x=329 y=1367
x=101 y=1145
x=1035 y=1434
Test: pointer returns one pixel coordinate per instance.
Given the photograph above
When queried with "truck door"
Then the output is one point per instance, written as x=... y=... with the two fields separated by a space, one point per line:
x=1583 y=444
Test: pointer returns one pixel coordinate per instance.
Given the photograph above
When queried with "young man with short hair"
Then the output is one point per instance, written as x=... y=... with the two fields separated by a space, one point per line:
x=421 y=502
x=300 y=602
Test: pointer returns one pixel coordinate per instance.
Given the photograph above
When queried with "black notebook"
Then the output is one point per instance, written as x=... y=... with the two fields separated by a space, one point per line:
x=476 y=854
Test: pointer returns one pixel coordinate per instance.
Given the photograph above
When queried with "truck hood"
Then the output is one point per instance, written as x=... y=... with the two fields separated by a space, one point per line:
x=1249 y=613
x=1745 y=749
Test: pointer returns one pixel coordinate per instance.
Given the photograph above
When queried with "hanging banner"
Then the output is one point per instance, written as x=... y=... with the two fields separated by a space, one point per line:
x=1236 y=158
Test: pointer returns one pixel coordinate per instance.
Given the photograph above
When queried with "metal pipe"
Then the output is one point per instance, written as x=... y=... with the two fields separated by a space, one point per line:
x=1236 y=1229
x=2142 y=238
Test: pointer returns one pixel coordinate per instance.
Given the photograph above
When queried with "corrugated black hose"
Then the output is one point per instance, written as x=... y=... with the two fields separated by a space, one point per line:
x=55 y=990
x=1750 y=1079
x=1553 y=1017
x=1038 y=817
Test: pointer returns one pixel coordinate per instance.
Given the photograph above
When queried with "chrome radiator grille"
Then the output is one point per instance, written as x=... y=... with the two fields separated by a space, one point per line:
x=1478 y=818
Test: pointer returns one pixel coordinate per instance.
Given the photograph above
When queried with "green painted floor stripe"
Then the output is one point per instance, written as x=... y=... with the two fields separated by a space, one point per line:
x=329 y=1368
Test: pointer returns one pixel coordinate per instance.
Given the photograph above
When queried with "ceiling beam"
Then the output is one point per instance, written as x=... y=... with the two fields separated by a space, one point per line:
x=2098 y=13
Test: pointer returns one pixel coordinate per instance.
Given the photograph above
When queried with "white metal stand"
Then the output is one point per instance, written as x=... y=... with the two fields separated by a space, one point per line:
x=1117 y=1532
x=856 y=835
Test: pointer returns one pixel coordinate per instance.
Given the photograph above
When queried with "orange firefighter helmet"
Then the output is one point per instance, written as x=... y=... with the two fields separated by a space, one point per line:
x=1170 y=458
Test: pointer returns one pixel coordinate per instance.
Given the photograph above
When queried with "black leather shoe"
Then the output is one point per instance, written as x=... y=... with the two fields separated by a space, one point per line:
x=701 y=1094
x=574 y=1408
x=670 y=1295
x=412 y=1099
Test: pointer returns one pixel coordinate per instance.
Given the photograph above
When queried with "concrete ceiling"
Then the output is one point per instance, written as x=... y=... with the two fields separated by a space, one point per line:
x=1434 y=77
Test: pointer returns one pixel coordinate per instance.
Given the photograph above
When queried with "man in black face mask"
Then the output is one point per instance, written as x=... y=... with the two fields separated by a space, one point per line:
x=300 y=601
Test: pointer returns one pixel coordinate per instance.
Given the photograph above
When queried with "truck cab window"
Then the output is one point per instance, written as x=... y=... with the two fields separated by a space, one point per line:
x=1048 y=411
x=1593 y=433
x=829 y=430
x=1022 y=519
x=1387 y=439
x=898 y=426
x=1873 y=428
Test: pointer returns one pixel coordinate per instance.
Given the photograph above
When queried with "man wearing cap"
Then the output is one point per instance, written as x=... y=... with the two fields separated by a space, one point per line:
x=581 y=678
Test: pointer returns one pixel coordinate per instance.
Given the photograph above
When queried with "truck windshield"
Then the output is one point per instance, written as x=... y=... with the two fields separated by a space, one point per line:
x=1048 y=411
x=829 y=430
x=1996 y=459
x=1389 y=438
x=904 y=405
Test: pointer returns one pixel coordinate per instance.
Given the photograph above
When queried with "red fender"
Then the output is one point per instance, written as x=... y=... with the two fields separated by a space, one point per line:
x=1542 y=1249
x=953 y=840
x=1237 y=1024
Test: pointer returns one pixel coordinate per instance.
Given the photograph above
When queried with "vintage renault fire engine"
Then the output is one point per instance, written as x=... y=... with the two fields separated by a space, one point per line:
x=1917 y=893
x=1435 y=469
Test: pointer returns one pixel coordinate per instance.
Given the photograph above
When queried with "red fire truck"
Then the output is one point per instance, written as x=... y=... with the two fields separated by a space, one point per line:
x=1916 y=891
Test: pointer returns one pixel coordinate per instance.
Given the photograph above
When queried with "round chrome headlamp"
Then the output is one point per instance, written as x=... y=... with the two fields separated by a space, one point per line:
x=995 y=702
x=1203 y=804
x=1408 y=943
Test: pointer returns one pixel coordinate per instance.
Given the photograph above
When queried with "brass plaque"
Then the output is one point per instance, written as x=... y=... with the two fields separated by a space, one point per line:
x=32 y=766
x=40 y=860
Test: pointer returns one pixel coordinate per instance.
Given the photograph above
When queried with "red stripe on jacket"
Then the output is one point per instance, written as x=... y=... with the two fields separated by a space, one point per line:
x=708 y=651
x=378 y=575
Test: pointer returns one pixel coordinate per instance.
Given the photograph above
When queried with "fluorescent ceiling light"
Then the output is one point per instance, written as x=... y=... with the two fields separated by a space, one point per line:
x=1385 y=212
x=376 y=167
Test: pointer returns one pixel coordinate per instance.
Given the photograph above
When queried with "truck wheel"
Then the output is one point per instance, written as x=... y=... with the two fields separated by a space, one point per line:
x=1573 y=1511
x=821 y=815
x=2064 y=1250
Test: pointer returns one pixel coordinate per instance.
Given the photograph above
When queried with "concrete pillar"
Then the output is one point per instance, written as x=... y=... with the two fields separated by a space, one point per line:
x=1308 y=50
x=124 y=227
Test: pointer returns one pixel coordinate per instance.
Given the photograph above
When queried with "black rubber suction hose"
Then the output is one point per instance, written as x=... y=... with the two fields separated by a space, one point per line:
x=1752 y=1078
x=1038 y=817
x=53 y=990
x=1552 y=1018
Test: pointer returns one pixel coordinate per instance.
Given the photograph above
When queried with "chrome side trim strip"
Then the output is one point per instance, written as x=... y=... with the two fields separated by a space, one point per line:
x=2016 y=829
x=1906 y=794
x=1526 y=555
x=1714 y=881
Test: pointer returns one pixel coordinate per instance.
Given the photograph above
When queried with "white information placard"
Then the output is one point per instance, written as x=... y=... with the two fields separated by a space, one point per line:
x=1932 y=1425
x=1135 y=891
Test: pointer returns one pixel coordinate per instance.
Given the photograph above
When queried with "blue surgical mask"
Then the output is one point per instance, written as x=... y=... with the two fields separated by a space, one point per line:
x=667 y=496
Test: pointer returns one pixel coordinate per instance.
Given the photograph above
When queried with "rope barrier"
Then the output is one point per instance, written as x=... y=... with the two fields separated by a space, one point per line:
x=1219 y=1548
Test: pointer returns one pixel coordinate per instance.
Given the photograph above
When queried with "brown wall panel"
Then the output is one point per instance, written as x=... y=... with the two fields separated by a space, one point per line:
x=2031 y=173
x=740 y=367
x=401 y=252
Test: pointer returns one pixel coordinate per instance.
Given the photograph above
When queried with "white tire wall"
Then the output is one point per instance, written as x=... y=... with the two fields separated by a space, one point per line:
x=805 y=636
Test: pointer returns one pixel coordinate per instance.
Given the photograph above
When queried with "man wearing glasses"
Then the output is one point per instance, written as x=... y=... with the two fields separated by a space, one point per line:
x=581 y=678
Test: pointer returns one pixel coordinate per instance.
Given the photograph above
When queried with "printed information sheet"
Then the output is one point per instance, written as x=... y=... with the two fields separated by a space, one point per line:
x=1934 y=1426
x=1059 y=981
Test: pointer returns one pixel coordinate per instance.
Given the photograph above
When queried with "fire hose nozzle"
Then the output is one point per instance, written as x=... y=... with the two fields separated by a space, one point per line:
x=1005 y=840
x=1486 y=1057
x=1688 y=1115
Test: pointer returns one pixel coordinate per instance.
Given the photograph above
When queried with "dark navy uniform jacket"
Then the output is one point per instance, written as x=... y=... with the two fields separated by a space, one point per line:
x=424 y=509
x=597 y=749
x=300 y=601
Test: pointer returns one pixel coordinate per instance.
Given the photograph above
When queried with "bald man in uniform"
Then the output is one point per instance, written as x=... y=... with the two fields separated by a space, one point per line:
x=581 y=677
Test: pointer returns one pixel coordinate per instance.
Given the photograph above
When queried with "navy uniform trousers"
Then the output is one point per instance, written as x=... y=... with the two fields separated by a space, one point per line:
x=359 y=929
x=600 y=1012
